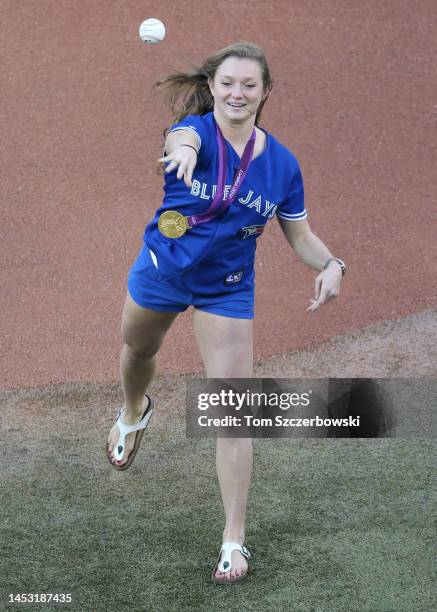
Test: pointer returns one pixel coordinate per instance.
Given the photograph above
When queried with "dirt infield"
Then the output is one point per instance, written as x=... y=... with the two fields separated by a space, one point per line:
x=391 y=349
x=82 y=131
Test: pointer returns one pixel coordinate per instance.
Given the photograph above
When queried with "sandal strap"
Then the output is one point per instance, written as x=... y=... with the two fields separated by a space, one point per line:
x=125 y=429
x=225 y=564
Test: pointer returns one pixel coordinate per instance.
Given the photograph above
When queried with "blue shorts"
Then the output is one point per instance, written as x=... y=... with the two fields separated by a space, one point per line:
x=230 y=294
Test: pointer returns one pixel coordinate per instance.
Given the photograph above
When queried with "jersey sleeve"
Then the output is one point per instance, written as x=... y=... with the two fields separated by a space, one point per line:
x=197 y=125
x=293 y=207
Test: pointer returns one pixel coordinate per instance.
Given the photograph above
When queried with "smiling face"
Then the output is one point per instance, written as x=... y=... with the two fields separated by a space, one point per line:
x=237 y=90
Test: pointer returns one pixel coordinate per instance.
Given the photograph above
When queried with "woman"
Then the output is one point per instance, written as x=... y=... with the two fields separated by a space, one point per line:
x=199 y=250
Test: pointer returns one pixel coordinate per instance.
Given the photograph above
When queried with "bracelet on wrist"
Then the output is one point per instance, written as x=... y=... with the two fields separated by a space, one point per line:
x=191 y=147
x=340 y=263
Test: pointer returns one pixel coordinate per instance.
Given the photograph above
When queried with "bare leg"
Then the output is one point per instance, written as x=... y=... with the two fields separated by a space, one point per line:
x=143 y=331
x=234 y=470
x=226 y=346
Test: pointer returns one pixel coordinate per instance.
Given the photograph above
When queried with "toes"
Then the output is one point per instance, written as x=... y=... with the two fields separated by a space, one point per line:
x=110 y=453
x=238 y=570
x=223 y=575
x=112 y=458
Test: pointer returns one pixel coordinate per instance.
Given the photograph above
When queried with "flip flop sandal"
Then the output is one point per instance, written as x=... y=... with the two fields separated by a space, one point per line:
x=225 y=564
x=124 y=430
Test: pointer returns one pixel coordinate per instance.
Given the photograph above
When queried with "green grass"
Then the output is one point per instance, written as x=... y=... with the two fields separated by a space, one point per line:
x=335 y=525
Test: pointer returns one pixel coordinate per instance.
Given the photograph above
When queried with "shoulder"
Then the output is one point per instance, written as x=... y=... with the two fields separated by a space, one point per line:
x=282 y=154
x=194 y=122
x=200 y=125
x=282 y=162
x=203 y=128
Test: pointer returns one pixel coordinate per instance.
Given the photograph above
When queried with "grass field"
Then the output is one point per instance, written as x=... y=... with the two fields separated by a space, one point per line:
x=334 y=525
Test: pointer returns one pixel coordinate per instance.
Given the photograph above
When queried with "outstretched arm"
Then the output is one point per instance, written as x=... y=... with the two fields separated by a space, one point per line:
x=315 y=254
x=182 y=149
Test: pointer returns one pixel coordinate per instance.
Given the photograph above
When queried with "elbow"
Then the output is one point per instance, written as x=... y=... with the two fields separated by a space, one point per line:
x=297 y=240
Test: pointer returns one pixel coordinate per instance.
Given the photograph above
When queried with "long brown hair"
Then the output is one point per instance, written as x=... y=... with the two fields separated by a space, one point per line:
x=188 y=93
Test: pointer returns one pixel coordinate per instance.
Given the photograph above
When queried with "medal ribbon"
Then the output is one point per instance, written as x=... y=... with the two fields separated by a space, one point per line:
x=219 y=204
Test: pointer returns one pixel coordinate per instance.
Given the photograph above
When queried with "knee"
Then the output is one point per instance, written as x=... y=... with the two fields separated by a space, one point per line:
x=142 y=352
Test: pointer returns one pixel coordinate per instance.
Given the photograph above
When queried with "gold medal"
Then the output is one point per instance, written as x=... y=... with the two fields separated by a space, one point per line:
x=172 y=224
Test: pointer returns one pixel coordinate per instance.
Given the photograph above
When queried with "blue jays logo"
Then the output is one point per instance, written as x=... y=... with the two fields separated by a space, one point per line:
x=234 y=277
x=252 y=230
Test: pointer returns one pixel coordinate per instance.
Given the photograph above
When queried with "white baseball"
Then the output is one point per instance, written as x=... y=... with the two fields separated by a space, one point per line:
x=152 y=31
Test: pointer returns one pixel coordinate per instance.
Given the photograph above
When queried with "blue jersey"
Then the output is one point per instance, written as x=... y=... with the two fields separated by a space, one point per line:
x=224 y=246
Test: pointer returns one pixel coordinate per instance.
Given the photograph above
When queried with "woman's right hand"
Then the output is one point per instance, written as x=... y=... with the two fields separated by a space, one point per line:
x=184 y=158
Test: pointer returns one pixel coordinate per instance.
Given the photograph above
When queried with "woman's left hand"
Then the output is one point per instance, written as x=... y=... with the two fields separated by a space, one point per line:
x=327 y=286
